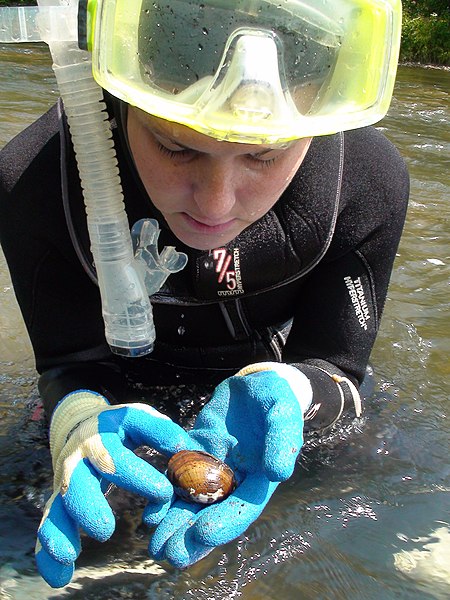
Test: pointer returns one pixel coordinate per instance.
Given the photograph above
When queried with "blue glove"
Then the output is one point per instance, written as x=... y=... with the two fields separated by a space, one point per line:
x=90 y=442
x=254 y=422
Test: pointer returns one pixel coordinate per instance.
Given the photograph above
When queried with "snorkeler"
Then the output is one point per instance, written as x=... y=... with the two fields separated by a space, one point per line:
x=242 y=129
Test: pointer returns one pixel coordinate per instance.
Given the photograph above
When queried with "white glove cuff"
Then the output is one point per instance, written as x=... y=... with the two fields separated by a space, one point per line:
x=298 y=381
x=70 y=412
x=356 y=397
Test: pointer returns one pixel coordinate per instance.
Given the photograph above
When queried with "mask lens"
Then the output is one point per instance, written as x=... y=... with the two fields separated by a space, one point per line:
x=184 y=42
x=181 y=43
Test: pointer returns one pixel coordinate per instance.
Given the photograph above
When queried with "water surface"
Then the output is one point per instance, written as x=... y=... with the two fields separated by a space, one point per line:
x=366 y=515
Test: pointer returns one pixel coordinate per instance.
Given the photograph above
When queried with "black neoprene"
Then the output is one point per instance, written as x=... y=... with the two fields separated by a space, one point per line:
x=305 y=285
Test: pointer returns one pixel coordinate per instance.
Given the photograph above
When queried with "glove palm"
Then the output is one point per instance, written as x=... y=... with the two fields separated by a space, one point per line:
x=254 y=421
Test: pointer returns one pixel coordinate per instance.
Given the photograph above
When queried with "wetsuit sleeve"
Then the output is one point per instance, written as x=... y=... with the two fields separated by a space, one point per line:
x=60 y=305
x=103 y=378
x=338 y=315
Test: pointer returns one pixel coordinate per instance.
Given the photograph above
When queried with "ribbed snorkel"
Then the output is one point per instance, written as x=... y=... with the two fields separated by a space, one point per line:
x=122 y=279
x=127 y=311
x=126 y=280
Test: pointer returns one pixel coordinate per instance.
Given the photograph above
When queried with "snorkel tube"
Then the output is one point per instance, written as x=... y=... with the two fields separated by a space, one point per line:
x=125 y=280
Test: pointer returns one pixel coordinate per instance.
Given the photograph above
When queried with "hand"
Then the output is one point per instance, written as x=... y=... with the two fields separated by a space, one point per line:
x=254 y=421
x=91 y=442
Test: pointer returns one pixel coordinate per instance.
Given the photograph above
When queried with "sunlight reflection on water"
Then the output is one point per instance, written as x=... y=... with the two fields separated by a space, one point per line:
x=366 y=513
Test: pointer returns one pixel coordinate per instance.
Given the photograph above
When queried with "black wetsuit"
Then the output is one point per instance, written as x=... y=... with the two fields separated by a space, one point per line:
x=306 y=284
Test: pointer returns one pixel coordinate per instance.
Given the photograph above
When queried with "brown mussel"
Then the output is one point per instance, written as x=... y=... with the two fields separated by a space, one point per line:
x=200 y=477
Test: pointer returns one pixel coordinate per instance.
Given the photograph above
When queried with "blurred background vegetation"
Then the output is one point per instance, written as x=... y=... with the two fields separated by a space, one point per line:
x=426 y=32
x=425 y=36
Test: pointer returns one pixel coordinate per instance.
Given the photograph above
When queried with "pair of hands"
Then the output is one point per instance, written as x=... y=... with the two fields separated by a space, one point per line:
x=254 y=421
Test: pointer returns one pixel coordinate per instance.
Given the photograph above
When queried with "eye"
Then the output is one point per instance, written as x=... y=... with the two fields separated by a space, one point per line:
x=179 y=153
x=264 y=159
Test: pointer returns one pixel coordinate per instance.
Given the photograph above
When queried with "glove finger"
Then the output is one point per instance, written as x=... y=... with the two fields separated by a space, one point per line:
x=215 y=441
x=145 y=425
x=220 y=523
x=58 y=533
x=86 y=504
x=183 y=549
x=154 y=514
x=133 y=473
x=211 y=425
x=181 y=515
x=189 y=538
x=284 y=439
x=214 y=413
x=53 y=572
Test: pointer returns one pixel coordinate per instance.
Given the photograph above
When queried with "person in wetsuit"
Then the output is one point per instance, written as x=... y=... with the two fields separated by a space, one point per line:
x=290 y=249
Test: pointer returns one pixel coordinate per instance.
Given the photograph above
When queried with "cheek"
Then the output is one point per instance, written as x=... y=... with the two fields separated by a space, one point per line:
x=163 y=183
x=265 y=189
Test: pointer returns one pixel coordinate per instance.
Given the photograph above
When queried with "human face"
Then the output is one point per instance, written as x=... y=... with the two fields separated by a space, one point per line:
x=208 y=191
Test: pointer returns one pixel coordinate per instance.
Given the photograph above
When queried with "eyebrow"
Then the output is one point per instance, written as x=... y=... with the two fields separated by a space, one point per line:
x=170 y=140
x=266 y=151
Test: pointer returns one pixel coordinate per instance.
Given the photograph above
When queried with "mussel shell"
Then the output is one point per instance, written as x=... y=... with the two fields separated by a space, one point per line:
x=200 y=477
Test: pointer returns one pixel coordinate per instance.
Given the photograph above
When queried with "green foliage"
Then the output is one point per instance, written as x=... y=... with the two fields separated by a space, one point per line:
x=425 y=8
x=426 y=32
x=426 y=39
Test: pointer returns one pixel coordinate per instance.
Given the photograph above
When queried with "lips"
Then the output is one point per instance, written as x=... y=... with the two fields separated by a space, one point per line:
x=211 y=227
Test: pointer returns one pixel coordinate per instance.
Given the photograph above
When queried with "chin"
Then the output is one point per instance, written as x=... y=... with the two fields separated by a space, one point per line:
x=204 y=244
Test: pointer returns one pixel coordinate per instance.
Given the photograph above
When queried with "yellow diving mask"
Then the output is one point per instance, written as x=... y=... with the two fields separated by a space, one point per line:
x=251 y=71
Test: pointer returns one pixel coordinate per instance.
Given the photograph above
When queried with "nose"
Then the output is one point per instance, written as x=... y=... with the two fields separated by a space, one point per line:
x=215 y=191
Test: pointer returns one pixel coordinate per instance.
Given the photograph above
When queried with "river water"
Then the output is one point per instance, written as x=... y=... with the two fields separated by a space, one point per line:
x=366 y=515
